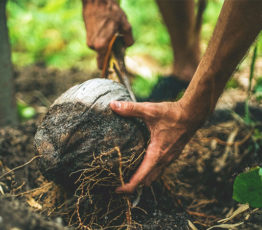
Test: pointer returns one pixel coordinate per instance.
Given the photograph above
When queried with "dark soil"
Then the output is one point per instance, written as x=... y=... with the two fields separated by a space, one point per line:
x=16 y=215
x=196 y=189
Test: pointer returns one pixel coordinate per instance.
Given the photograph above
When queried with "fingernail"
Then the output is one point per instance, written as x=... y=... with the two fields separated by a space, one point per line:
x=117 y=104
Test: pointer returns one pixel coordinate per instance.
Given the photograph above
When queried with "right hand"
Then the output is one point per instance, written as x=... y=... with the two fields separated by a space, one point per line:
x=171 y=126
x=104 y=18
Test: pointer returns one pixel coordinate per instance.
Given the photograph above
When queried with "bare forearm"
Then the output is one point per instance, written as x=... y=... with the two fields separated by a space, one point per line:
x=238 y=25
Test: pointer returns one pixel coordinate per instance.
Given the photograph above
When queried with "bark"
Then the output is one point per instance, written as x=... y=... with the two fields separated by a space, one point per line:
x=8 y=114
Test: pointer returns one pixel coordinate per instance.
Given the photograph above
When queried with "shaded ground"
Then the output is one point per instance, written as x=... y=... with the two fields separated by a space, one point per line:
x=15 y=215
x=195 y=190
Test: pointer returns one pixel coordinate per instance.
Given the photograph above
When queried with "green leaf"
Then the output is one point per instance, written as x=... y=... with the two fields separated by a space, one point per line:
x=25 y=112
x=232 y=84
x=260 y=172
x=248 y=188
x=258 y=89
x=28 y=112
x=142 y=87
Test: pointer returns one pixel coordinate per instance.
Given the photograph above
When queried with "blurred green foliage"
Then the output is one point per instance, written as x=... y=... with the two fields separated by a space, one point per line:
x=142 y=87
x=25 y=112
x=258 y=89
x=53 y=32
x=45 y=31
x=232 y=83
x=151 y=36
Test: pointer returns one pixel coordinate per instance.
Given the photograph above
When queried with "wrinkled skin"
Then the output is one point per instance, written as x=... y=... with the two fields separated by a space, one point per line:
x=170 y=127
x=104 y=18
x=173 y=124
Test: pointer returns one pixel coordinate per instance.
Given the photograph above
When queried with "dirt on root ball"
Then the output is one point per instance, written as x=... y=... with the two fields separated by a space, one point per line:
x=90 y=150
x=82 y=140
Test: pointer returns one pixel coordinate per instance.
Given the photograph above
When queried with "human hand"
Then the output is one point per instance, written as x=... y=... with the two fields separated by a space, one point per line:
x=170 y=126
x=104 y=18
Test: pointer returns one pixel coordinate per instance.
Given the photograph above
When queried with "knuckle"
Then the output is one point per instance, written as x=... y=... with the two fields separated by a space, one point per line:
x=129 y=106
x=99 y=61
x=100 y=44
x=151 y=111
x=90 y=44
x=127 y=27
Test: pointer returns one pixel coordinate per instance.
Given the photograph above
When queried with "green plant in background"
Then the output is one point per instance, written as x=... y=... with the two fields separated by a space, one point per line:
x=248 y=185
x=248 y=188
x=53 y=32
x=232 y=84
x=258 y=89
x=247 y=117
x=209 y=20
x=151 y=36
x=25 y=112
x=45 y=31
x=150 y=33
x=142 y=87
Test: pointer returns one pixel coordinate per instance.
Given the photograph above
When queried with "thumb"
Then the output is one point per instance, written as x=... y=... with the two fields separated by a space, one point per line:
x=128 y=109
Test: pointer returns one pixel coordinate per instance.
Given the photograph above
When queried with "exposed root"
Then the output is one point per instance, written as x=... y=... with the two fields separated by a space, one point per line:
x=95 y=203
x=20 y=166
x=128 y=211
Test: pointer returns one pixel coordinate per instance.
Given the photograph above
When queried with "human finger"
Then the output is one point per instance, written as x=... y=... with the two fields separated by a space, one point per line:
x=100 y=41
x=149 y=162
x=100 y=59
x=131 y=109
x=153 y=175
x=164 y=162
x=126 y=30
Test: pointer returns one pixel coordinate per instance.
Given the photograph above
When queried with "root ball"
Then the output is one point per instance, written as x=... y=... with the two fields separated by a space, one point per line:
x=82 y=141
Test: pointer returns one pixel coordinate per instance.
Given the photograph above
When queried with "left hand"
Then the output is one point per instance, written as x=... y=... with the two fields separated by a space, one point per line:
x=170 y=126
x=104 y=18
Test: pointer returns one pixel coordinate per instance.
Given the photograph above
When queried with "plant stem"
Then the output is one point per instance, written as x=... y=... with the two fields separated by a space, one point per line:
x=251 y=76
